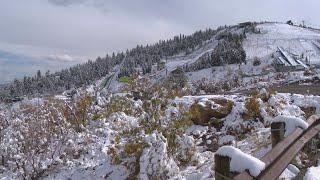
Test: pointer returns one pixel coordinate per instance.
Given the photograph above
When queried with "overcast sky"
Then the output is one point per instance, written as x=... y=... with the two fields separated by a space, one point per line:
x=65 y=31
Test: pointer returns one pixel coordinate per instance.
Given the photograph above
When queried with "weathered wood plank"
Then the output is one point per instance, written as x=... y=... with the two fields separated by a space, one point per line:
x=282 y=162
x=222 y=167
x=277 y=132
x=278 y=151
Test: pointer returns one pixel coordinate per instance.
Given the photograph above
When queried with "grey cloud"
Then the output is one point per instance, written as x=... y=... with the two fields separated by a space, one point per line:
x=66 y=2
x=197 y=14
x=62 y=58
x=100 y=5
x=81 y=28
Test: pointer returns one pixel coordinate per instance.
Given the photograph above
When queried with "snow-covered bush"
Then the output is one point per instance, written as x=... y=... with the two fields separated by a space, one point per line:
x=177 y=79
x=34 y=143
x=77 y=114
x=155 y=162
x=256 y=61
x=119 y=104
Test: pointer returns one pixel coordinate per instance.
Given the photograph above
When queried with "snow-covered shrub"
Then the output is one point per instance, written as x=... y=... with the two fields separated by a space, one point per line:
x=265 y=95
x=3 y=122
x=155 y=163
x=176 y=80
x=207 y=87
x=256 y=61
x=34 y=143
x=131 y=142
x=226 y=86
x=119 y=104
x=174 y=129
x=309 y=72
x=186 y=151
x=77 y=114
x=213 y=87
x=115 y=155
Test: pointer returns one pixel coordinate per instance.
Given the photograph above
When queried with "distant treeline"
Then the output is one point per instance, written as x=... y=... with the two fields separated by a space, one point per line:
x=142 y=57
x=138 y=60
x=228 y=51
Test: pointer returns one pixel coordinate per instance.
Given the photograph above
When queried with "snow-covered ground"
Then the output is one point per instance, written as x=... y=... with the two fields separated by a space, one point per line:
x=313 y=173
x=97 y=152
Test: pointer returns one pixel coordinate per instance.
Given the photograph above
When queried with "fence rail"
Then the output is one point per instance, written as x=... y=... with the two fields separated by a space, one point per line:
x=284 y=150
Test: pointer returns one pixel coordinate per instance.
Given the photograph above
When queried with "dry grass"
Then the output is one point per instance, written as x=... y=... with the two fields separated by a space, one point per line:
x=77 y=114
x=115 y=155
x=135 y=148
x=252 y=109
x=308 y=111
x=119 y=104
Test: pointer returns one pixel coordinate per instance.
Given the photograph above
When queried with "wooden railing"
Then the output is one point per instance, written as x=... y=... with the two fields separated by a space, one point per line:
x=284 y=150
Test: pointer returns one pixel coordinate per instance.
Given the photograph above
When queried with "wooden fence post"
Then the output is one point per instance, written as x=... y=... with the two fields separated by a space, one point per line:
x=222 y=167
x=277 y=132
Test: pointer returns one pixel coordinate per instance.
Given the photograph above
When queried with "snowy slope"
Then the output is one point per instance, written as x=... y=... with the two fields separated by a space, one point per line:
x=291 y=39
x=124 y=138
x=296 y=40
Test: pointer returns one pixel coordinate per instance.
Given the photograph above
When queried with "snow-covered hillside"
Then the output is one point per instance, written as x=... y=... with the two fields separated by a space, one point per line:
x=168 y=124
x=296 y=40
x=263 y=45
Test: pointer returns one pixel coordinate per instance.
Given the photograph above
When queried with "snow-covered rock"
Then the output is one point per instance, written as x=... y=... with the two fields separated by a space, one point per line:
x=313 y=173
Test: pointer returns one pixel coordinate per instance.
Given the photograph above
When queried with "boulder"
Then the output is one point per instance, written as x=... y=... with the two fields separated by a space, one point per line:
x=204 y=112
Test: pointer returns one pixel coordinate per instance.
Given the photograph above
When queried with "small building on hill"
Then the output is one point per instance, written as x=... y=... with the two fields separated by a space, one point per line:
x=285 y=62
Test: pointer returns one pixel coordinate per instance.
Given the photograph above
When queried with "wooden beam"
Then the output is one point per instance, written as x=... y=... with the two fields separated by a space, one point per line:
x=277 y=132
x=279 y=150
x=282 y=162
x=222 y=167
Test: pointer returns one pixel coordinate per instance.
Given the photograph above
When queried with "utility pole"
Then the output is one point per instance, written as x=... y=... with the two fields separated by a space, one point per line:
x=267 y=46
x=290 y=46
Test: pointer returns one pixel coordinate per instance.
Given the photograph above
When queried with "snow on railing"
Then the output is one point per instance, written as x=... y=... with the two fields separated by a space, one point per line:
x=231 y=159
x=291 y=123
